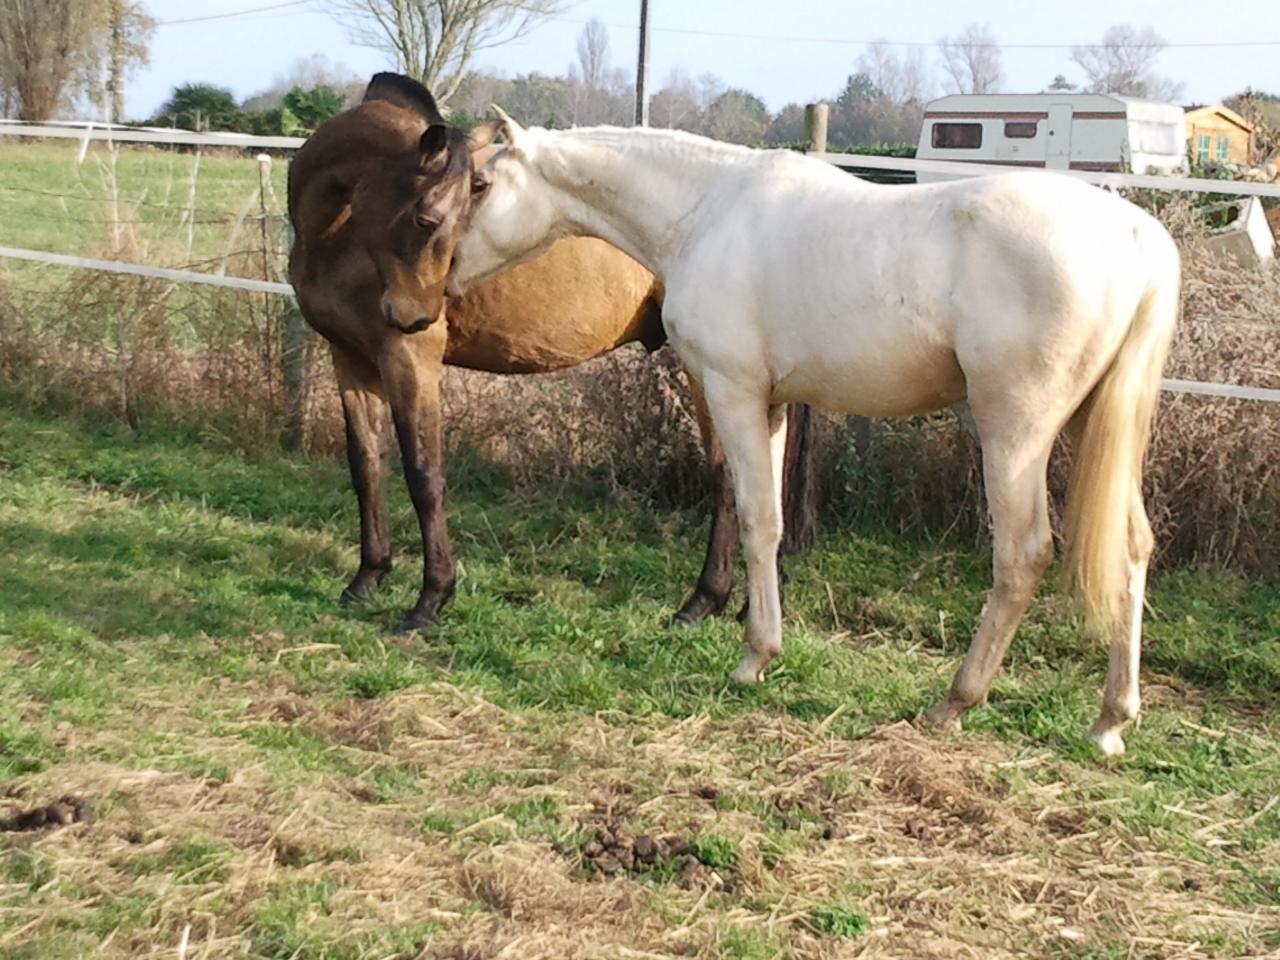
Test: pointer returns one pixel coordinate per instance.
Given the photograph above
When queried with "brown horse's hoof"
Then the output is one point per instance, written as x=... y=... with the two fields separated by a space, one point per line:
x=426 y=613
x=362 y=587
x=697 y=608
x=416 y=620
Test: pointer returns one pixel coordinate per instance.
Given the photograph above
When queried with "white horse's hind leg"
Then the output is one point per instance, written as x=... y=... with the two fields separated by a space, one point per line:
x=778 y=451
x=750 y=432
x=1022 y=548
x=1120 y=698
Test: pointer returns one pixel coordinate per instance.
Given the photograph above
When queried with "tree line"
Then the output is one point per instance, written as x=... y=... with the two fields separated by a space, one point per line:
x=76 y=56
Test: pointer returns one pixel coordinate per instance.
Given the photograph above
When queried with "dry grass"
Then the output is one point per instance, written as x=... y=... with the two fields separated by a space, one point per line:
x=948 y=847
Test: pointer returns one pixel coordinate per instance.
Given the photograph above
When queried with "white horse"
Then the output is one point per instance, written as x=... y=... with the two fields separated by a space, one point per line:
x=1042 y=301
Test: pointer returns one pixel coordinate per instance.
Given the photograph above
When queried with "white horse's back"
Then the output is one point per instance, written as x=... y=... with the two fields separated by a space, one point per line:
x=885 y=300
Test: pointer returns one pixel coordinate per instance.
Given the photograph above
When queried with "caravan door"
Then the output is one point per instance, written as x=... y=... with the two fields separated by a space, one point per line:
x=1058 y=148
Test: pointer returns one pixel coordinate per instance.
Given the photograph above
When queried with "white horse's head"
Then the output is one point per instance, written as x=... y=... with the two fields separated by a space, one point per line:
x=513 y=216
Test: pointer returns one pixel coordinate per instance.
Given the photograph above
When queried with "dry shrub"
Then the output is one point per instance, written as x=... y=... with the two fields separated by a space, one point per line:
x=625 y=419
x=210 y=359
x=145 y=350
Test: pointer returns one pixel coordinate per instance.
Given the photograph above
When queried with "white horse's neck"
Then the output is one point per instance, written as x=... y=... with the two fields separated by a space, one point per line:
x=633 y=188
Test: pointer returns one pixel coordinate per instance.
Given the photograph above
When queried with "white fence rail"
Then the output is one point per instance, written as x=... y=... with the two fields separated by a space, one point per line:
x=145 y=270
x=859 y=161
x=89 y=131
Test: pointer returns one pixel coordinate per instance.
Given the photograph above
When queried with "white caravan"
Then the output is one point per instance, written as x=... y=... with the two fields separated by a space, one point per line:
x=1057 y=131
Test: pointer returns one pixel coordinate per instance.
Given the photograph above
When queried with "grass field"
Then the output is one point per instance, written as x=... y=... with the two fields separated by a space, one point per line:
x=53 y=202
x=551 y=773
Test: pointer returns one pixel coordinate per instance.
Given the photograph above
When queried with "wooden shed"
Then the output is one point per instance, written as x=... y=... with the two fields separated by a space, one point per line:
x=1217 y=134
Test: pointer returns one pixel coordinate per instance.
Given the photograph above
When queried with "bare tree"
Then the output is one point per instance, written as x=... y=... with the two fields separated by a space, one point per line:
x=1123 y=64
x=900 y=80
x=971 y=60
x=434 y=40
x=677 y=104
x=42 y=44
x=59 y=52
x=593 y=53
x=590 y=76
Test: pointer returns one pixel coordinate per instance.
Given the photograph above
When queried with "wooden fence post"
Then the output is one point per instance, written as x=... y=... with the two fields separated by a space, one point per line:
x=799 y=469
x=815 y=127
x=293 y=358
x=293 y=349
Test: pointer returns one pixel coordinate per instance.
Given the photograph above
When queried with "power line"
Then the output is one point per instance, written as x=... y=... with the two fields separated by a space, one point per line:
x=931 y=43
x=234 y=13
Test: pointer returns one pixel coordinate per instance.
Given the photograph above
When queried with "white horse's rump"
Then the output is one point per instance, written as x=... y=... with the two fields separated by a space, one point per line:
x=1044 y=302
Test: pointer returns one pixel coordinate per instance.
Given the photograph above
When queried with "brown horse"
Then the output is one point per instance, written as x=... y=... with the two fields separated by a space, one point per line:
x=377 y=199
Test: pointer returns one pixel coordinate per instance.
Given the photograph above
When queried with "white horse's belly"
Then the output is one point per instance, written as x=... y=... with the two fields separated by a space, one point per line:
x=874 y=383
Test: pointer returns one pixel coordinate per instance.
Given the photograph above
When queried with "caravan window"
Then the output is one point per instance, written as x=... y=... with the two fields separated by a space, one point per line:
x=1151 y=136
x=957 y=136
x=1020 y=129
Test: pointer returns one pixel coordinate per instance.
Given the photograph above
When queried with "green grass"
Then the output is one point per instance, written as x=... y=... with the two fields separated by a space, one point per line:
x=838 y=920
x=169 y=640
x=53 y=202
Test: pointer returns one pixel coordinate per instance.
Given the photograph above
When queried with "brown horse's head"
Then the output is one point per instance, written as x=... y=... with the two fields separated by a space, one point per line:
x=409 y=213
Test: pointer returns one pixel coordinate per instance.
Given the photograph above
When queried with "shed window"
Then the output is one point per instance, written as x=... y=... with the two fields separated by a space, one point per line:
x=957 y=136
x=1222 y=148
x=1202 y=148
x=1020 y=129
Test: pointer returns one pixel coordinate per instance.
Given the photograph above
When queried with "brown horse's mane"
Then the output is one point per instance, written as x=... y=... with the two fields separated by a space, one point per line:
x=404 y=92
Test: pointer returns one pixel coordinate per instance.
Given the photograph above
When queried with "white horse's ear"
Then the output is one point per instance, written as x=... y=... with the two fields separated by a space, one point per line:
x=512 y=131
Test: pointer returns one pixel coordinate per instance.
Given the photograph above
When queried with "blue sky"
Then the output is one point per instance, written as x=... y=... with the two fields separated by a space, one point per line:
x=813 y=45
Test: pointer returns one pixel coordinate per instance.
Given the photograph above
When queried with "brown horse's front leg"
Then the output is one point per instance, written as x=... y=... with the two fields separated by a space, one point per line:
x=410 y=365
x=715 y=583
x=368 y=454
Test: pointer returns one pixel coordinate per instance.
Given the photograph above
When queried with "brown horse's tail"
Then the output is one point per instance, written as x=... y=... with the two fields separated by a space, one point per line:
x=1106 y=524
x=800 y=480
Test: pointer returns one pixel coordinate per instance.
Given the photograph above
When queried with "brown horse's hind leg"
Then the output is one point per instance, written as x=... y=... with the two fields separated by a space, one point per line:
x=368 y=452
x=410 y=366
x=716 y=580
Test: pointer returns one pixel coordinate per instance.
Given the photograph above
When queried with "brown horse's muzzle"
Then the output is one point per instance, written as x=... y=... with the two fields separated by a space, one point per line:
x=414 y=313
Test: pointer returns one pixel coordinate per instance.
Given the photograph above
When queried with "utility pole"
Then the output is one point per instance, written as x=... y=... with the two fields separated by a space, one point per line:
x=642 y=69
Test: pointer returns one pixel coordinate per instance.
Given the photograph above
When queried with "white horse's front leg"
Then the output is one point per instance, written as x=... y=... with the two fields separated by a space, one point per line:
x=753 y=435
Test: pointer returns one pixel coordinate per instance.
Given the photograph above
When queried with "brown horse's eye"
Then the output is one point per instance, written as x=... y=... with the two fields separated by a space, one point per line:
x=424 y=222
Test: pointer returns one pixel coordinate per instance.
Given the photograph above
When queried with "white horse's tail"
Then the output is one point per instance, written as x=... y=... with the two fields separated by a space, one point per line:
x=1106 y=524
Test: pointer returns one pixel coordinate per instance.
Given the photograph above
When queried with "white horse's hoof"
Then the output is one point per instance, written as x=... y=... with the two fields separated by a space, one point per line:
x=749 y=671
x=1108 y=740
x=943 y=715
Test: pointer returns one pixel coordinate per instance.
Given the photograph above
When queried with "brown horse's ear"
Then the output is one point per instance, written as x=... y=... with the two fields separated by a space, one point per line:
x=433 y=148
x=483 y=134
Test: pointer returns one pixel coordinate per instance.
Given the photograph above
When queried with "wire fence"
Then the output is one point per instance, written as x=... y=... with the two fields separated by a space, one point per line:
x=263 y=195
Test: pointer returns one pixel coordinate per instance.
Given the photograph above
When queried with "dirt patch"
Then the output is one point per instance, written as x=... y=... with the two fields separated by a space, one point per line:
x=616 y=850
x=61 y=812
